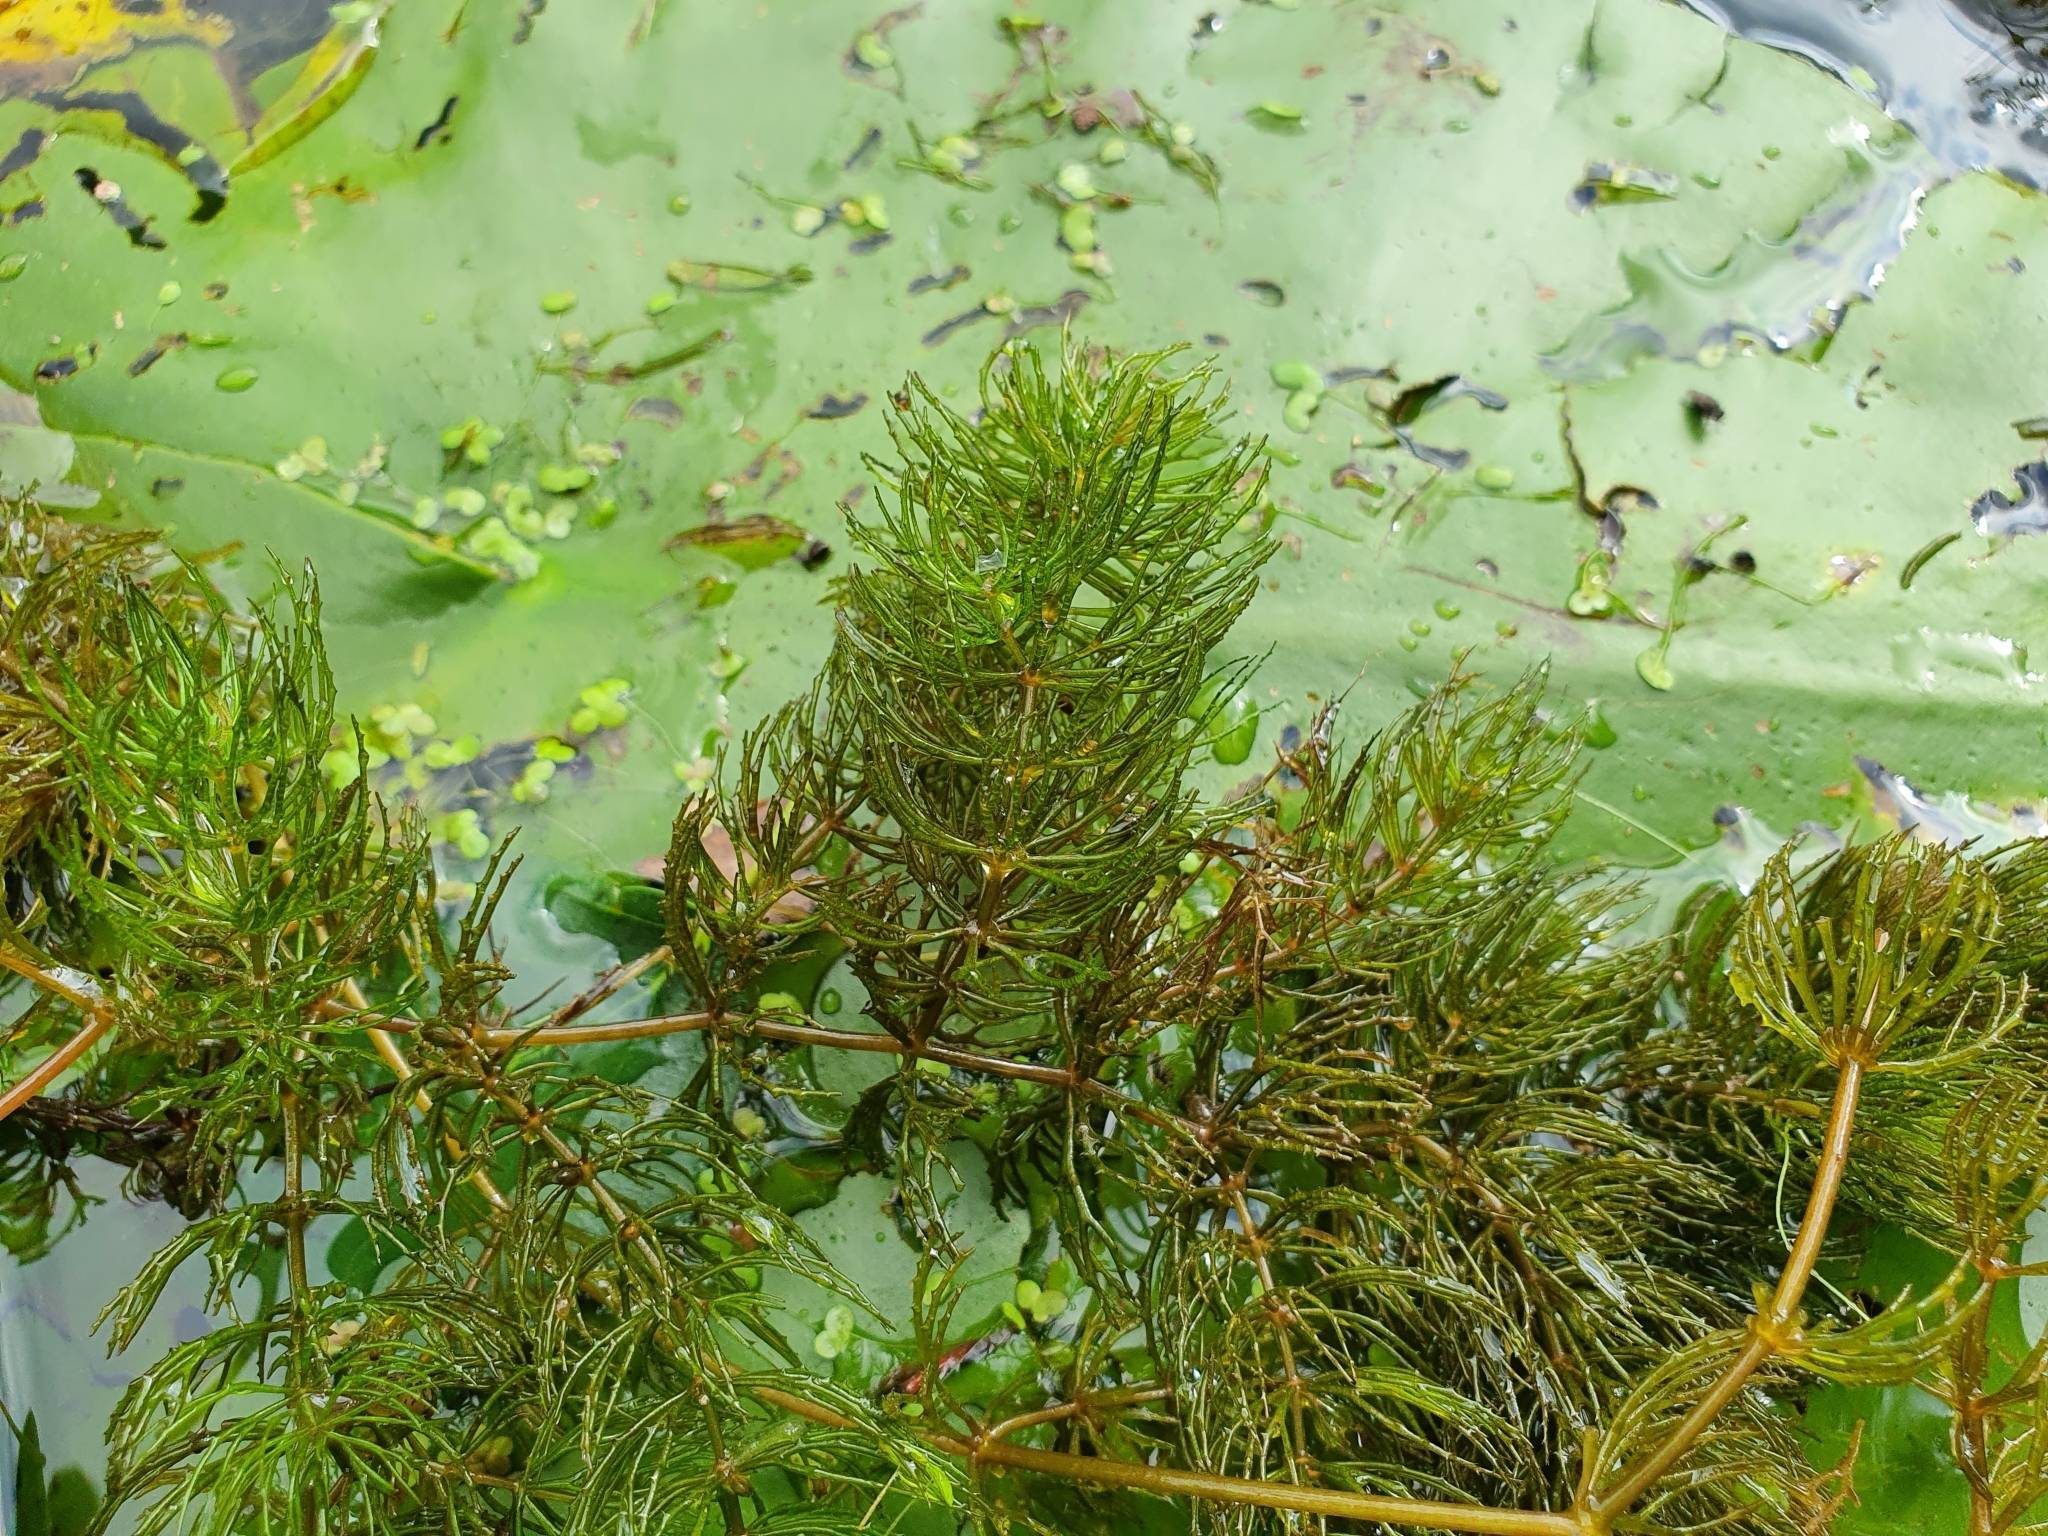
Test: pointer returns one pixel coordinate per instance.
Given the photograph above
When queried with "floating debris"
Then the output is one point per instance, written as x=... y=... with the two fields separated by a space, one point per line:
x=654 y=408
x=154 y=353
x=1609 y=182
x=736 y=277
x=440 y=128
x=939 y=281
x=1923 y=554
x=753 y=541
x=1427 y=396
x=108 y=195
x=836 y=408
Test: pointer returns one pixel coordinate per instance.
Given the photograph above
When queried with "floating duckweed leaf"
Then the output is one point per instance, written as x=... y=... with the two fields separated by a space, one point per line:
x=234 y=380
x=1493 y=477
x=1653 y=666
x=1591 y=599
x=836 y=1334
x=473 y=441
x=806 y=219
x=12 y=265
x=1594 y=729
x=560 y=302
x=451 y=754
x=563 y=479
x=531 y=787
x=953 y=155
x=602 y=706
x=169 y=293
x=1075 y=180
x=1277 y=117
x=1230 y=720
x=872 y=52
x=491 y=539
x=1113 y=152
x=1077 y=228
x=462 y=831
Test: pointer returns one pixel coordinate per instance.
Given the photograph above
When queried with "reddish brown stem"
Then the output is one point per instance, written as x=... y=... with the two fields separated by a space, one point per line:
x=99 y=1018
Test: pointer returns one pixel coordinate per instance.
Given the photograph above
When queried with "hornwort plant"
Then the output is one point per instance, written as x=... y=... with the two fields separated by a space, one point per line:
x=1381 y=1175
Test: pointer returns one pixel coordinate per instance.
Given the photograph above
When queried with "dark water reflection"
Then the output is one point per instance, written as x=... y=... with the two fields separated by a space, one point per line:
x=1970 y=77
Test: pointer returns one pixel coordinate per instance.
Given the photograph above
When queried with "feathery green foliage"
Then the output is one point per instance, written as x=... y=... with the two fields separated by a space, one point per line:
x=1379 y=1168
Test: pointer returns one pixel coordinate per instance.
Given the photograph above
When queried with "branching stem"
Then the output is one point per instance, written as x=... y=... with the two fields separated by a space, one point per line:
x=1767 y=1332
x=1177 y=1482
x=99 y=1018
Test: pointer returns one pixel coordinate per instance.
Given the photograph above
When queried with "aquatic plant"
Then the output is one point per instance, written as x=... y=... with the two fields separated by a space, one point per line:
x=1380 y=1171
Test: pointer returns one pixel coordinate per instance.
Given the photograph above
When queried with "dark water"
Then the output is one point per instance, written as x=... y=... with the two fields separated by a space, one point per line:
x=1969 y=77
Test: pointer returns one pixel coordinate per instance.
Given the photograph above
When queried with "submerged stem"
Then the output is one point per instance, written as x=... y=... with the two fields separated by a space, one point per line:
x=1767 y=1331
x=99 y=1018
x=1171 y=1482
x=299 y=1286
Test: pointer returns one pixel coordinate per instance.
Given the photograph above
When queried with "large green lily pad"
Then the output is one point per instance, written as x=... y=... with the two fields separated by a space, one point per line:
x=1585 y=211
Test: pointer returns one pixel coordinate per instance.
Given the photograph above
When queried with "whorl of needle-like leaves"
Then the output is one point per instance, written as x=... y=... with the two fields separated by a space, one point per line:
x=1878 y=941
